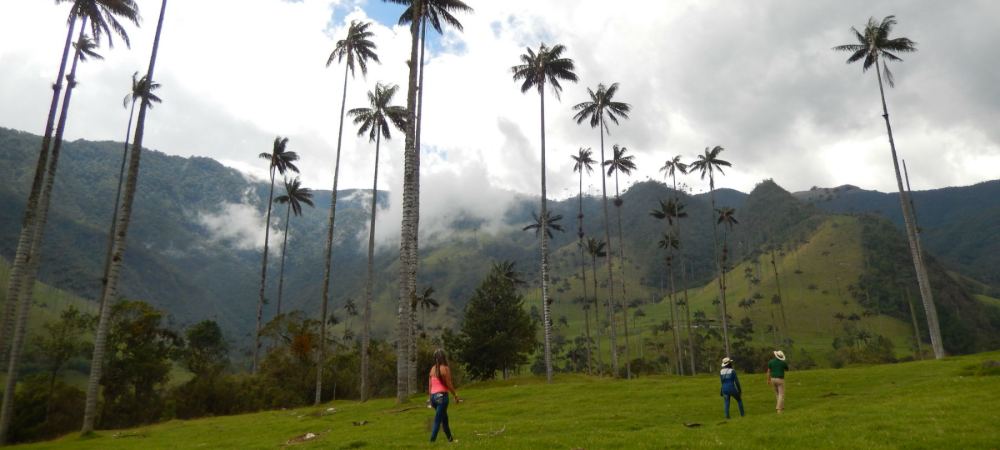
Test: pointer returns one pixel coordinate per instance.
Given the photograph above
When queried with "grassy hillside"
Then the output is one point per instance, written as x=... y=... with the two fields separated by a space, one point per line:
x=927 y=404
x=49 y=302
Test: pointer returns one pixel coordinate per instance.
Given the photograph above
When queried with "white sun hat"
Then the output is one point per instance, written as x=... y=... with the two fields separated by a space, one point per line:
x=779 y=354
x=726 y=361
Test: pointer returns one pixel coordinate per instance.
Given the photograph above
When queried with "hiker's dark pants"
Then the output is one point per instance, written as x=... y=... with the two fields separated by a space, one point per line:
x=440 y=403
x=739 y=402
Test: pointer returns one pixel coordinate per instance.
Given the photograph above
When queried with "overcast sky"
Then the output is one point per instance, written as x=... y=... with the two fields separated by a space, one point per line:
x=757 y=78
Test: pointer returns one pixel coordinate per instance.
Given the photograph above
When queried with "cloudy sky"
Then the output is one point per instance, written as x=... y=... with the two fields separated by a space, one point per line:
x=758 y=78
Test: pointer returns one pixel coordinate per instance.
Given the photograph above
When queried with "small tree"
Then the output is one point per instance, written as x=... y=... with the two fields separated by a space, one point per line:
x=497 y=333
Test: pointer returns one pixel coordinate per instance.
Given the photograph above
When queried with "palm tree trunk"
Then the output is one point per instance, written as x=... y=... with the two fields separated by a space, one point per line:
x=263 y=275
x=926 y=295
x=23 y=298
x=30 y=208
x=781 y=302
x=414 y=254
x=621 y=269
x=284 y=245
x=121 y=232
x=369 y=283
x=718 y=266
x=597 y=317
x=408 y=233
x=118 y=197
x=328 y=253
x=679 y=361
x=611 y=280
x=916 y=327
x=546 y=319
x=687 y=312
x=687 y=307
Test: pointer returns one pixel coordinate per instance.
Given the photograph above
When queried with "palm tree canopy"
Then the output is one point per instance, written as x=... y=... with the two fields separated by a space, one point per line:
x=281 y=159
x=550 y=223
x=103 y=16
x=874 y=43
x=672 y=166
x=670 y=210
x=583 y=160
x=425 y=300
x=595 y=248
x=727 y=216
x=668 y=242
x=376 y=117
x=435 y=11
x=545 y=66
x=507 y=271
x=602 y=104
x=619 y=161
x=709 y=162
x=295 y=196
x=357 y=47
x=142 y=89
x=87 y=48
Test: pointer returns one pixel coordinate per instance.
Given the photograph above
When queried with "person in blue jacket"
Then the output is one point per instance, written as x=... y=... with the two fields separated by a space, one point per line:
x=730 y=385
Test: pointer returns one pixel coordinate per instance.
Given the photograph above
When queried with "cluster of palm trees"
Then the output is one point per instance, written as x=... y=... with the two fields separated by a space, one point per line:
x=538 y=68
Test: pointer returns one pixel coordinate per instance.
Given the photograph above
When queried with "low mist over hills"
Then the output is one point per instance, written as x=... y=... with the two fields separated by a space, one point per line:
x=197 y=233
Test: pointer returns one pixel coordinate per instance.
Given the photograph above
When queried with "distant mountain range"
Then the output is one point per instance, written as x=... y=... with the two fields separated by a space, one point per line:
x=197 y=227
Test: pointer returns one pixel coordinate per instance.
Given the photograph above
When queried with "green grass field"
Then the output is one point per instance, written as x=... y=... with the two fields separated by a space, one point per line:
x=925 y=404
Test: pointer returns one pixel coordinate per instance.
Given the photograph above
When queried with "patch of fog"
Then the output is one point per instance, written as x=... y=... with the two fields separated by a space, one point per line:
x=239 y=225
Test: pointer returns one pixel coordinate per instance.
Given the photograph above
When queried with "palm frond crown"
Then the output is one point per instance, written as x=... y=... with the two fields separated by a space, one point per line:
x=545 y=66
x=357 y=48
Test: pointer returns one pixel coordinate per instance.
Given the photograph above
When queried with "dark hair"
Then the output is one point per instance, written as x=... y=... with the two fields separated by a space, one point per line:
x=440 y=359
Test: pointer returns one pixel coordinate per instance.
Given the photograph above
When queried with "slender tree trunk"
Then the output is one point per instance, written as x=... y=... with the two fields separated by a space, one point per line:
x=926 y=295
x=118 y=197
x=781 y=302
x=263 y=274
x=687 y=308
x=679 y=361
x=22 y=252
x=916 y=326
x=328 y=252
x=284 y=245
x=546 y=314
x=687 y=312
x=121 y=232
x=583 y=268
x=414 y=254
x=719 y=266
x=597 y=317
x=621 y=270
x=23 y=298
x=369 y=282
x=611 y=280
x=408 y=228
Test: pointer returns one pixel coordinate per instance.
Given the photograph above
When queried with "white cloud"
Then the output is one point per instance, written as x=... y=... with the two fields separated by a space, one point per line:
x=240 y=225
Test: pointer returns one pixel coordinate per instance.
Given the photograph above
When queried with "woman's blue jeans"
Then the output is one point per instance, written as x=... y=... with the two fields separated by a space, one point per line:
x=739 y=401
x=439 y=402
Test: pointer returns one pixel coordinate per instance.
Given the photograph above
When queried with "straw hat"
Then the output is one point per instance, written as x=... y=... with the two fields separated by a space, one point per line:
x=726 y=361
x=779 y=354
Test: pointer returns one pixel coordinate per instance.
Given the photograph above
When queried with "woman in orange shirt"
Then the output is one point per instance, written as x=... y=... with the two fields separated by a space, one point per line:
x=439 y=386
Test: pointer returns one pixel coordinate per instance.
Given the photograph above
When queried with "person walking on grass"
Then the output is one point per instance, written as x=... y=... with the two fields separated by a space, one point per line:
x=776 y=368
x=439 y=385
x=730 y=386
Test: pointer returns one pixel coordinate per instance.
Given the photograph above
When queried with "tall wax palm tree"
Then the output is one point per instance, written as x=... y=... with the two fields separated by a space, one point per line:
x=355 y=50
x=280 y=160
x=669 y=211
x=102 y=16
x=621 y=163
x=547 y=65
x=595 y=248
x=118 y=249
x=142 y=90
x=600 y=109
x=425 y=301
x=670 y=169
x=875 y=46
x=582 y=161
x=435 y=12
x=295 y=196
x=85 y=47
x=726 y=218
x=708 y=163
x=375 y=120
x=780 y=299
